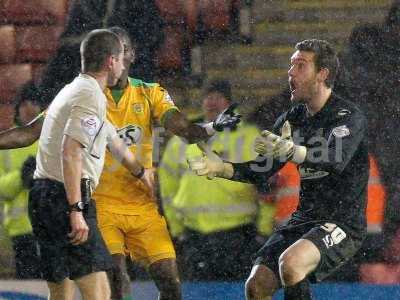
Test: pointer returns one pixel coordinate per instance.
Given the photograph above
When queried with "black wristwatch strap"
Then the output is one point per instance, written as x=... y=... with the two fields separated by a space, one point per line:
x=77 y=206
x=140 y=174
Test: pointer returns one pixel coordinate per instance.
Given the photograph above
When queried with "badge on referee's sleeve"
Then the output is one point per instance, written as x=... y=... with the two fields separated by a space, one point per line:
x=90 y=125
x=341 y=131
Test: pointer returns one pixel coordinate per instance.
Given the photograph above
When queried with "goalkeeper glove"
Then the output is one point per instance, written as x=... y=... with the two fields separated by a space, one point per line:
x=226 y=119
x=280 y=147
x=211 y=165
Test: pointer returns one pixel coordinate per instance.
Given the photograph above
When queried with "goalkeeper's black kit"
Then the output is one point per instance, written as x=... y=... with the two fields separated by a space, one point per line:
x=334 y=179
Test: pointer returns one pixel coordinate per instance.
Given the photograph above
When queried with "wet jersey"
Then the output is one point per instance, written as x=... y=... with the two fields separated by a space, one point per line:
x=133 y=116
x=334 y=175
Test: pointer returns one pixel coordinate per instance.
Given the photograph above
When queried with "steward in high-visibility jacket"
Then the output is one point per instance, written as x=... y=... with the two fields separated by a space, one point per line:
x=16 y=222
x=286 y=187
x=213 y=211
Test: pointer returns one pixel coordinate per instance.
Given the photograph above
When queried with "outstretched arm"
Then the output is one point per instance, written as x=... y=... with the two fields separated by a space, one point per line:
x=179 y=125
x=23 y=136
x=193 y=133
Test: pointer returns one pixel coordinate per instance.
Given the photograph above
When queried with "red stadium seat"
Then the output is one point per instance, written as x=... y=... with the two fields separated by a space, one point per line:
x=37 y=43
x=37 y=71
x=171 y=11
x=7 y=49
x=7 y=116
x=33 y=11
x=11 y=78
x=169 y=54
x=215 y=14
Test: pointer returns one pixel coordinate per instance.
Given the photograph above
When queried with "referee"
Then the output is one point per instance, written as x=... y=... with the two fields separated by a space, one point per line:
x=69 y=162
x=330 y=148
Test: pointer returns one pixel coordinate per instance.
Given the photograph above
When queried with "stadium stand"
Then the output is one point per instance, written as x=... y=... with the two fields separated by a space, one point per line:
x=33 y=11
x=8 y=49
x=30 y=30
x=12 y=76
x=36 y=43
x=168 y=55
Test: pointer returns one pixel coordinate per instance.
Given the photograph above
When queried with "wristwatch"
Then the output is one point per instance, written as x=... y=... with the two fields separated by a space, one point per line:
x=140 y=174
x=77 y=206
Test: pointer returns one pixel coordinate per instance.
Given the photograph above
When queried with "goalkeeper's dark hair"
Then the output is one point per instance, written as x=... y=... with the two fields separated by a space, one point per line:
x=219 y=86
x=96 y=47
x=325 y=57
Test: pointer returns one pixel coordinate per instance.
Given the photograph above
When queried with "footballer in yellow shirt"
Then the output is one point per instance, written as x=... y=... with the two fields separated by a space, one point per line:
x=127 y=213
x=120 y=197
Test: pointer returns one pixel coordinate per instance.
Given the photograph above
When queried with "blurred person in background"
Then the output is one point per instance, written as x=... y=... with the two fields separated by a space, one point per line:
x=16 y=175
x=139 y=17
x=212 y=220
x=369 y=77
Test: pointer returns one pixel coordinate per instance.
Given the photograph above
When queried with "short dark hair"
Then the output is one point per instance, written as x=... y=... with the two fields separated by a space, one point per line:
x=324 y=57
x=122 y=34
x=96 y=47
x=219 y=86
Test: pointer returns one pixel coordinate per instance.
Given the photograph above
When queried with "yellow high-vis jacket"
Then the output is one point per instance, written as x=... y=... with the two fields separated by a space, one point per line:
x=15 y=196
x=207 y=206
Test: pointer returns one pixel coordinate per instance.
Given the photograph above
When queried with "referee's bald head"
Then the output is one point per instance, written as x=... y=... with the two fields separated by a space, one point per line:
x=96 y=47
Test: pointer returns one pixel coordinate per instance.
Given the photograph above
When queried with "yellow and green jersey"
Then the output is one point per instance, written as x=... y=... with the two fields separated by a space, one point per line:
x=138 y=107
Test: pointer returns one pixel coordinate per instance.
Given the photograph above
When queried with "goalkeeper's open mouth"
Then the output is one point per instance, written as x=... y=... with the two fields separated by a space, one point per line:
x=292 y=86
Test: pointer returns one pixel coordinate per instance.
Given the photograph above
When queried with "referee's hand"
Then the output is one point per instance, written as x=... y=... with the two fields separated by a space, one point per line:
x=80 y=230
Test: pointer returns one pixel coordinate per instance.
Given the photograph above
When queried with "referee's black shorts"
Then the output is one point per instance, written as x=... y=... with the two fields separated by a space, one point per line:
x=49 y=215
x=336 y=245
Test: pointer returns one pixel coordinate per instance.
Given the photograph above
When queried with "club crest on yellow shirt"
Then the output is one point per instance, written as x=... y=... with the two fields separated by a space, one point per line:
x=138 y=108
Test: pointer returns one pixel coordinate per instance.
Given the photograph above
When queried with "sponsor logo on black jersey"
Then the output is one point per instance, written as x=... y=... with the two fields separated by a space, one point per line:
x=310 y=173
x=343 y=112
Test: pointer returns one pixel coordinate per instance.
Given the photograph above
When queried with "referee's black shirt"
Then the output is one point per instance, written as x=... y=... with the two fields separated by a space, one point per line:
x=334 y=175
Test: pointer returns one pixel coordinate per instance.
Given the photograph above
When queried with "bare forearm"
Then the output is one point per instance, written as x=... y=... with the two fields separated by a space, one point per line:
x=122 y=153
x=180 y=126
x=131 y=163
x=72 y=168
x=19 y=137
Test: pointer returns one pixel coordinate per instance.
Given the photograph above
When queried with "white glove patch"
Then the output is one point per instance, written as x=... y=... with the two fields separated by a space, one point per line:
x=343 y=112
x=341 y=131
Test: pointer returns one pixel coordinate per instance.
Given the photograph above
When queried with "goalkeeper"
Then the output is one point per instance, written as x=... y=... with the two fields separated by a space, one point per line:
x=329 y=146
